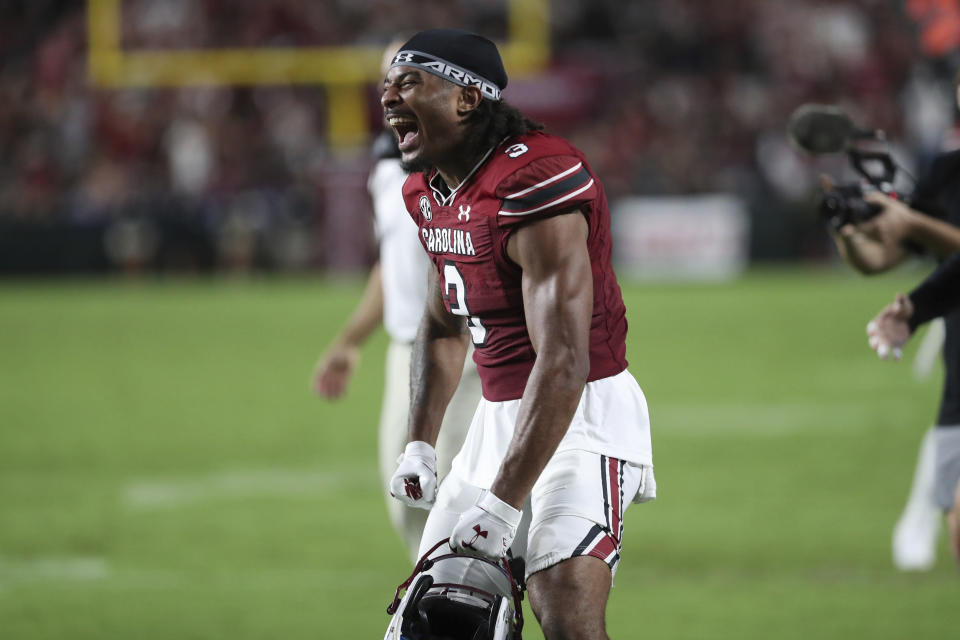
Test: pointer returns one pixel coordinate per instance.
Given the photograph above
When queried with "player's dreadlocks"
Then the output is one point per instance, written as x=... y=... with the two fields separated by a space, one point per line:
x=492 y=121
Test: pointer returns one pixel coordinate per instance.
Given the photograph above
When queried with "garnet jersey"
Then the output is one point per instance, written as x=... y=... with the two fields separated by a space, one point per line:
x=465 y=233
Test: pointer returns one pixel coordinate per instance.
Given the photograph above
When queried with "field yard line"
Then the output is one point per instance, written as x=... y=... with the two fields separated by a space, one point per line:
x=773 y=419
x=86 y=572
x=56 y=568
x=175 y=491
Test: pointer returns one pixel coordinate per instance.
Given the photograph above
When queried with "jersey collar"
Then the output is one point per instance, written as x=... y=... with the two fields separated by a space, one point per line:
x=439 y=187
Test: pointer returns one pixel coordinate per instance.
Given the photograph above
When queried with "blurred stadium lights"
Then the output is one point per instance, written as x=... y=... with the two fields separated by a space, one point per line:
x=344 y=71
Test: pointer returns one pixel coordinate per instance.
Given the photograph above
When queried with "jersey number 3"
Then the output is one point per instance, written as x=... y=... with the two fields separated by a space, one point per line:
x=455 y=293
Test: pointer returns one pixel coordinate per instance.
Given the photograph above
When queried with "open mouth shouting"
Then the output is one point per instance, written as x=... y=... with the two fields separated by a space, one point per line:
x=407 y=130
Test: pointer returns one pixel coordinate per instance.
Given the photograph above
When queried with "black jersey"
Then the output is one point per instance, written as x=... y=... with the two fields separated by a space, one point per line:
x=938 y=295
x=938 y=194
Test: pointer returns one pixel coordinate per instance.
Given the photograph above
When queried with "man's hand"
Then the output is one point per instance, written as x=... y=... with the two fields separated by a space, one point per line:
x=892 y=224
x=889 y=331
x=334 y=370
x=875 y=245
x=486 y=529
x=890 y=227
x=414 y=483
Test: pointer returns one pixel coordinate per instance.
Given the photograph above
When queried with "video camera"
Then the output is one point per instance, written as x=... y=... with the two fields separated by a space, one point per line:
x=823 y=129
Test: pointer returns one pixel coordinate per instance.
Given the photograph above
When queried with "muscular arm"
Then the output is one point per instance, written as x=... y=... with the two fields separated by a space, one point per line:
x=435 y=365
x=558 y=305
x=335 y=367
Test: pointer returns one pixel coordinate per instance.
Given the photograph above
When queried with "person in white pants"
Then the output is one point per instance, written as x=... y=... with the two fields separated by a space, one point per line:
x=395 y=296
x=877 y=246
x=937 y=296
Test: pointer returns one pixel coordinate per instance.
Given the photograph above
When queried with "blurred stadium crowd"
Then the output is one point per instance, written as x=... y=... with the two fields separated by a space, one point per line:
x=664 y=97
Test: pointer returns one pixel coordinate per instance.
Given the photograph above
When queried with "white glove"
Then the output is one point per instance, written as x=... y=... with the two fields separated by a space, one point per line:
x=414 y=483
x=486 y=529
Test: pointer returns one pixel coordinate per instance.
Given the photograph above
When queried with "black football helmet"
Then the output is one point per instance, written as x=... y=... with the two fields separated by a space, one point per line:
x=445 y=611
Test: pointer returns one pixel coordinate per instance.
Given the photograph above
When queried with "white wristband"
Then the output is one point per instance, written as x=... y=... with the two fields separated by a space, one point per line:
x=420 y=449
x=498 y=508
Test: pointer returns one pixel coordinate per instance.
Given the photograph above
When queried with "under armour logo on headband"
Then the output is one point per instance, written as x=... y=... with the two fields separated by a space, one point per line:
x=444 y=69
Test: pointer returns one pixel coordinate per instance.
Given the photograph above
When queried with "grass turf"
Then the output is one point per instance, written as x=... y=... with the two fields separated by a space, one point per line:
x=165 y=471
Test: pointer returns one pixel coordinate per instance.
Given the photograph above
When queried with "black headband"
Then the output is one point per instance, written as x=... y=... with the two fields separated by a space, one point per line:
x=464 y=58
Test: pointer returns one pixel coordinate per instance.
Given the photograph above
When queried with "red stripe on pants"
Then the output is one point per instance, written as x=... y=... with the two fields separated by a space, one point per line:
x=614 y=489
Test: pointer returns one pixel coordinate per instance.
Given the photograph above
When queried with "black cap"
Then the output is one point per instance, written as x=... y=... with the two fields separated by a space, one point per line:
x=462 y=57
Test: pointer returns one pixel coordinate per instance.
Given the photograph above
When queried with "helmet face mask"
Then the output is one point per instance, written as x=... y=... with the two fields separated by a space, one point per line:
x=445 y=611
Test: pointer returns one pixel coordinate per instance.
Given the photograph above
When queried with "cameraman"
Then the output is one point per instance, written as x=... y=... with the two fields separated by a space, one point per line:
x=936 y=296
x=931 y=225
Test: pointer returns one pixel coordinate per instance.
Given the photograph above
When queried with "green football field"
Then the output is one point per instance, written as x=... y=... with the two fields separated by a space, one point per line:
x=165 y=471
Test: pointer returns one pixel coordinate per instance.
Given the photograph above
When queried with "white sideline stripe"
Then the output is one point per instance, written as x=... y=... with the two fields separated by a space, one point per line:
x=74 y=569
x=84 y=572
x=757 y=419
x=176 y=491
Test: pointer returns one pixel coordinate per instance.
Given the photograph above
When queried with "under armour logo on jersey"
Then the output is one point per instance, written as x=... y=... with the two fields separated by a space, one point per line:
x=412 y=488
x=464 y=214
x=516 y=150
x=425 y=210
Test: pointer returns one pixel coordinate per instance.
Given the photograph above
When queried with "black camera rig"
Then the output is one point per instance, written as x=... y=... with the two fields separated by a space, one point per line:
x=824 y=129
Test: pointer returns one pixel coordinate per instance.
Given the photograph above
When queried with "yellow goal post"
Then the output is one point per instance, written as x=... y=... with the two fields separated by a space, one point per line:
x=343 y=71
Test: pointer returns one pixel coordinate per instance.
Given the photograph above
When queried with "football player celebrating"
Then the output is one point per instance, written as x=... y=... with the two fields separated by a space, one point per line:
x=518 y=229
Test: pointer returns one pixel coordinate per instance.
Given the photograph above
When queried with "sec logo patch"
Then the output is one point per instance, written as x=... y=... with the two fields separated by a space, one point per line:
x=425 y=209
